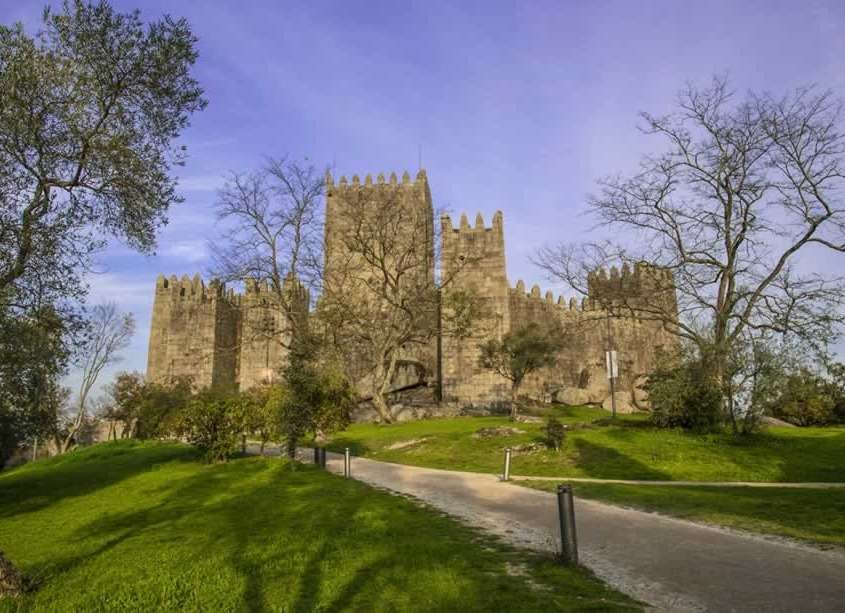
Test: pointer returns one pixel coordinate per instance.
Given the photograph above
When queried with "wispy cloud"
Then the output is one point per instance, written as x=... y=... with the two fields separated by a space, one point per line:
x=191 y=251
x=201 y=183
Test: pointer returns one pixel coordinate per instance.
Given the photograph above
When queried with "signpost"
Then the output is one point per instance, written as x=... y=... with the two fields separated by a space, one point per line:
x=612 y=373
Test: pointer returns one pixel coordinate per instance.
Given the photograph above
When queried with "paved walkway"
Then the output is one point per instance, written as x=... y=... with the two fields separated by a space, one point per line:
x=806 y=485
x=672 y=564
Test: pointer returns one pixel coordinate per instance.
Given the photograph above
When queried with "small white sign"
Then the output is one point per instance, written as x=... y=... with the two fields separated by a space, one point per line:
x=611 y=364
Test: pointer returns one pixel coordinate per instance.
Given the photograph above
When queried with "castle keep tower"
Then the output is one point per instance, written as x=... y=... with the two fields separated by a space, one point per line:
x=376 y=229
x=385 y=210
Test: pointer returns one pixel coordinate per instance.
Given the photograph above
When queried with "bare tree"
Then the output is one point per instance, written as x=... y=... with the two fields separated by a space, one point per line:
x=381 y=296
x=740 y=190
x=111 y=333
x=273 y=236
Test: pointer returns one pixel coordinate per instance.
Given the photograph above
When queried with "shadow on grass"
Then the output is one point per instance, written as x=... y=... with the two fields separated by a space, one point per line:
x=41 y=484
x=603 y=462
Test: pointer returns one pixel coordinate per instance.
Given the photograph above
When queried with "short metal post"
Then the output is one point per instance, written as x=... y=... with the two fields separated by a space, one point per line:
x=507 y=473
x=322 y=459
x=347 y=464
x=566 y=513
x=316 y=456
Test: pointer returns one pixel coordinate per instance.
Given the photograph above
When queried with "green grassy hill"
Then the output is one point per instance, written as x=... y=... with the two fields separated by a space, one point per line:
x=594 y=447
x=146 y=527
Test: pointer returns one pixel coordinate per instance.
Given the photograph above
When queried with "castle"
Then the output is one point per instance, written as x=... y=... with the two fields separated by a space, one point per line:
x=218 y=337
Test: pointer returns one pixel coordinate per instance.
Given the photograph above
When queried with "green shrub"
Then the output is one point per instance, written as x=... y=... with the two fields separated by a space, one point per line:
x=213 y=422
x=555 y=433
x=804 y=399
x=685 y=397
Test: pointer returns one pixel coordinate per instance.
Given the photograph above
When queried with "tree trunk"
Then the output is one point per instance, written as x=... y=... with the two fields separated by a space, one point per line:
x=35 y=449
x=381 y=387
x=381 y=406
x=514 y=406
x=12 y=583
x=243 y=444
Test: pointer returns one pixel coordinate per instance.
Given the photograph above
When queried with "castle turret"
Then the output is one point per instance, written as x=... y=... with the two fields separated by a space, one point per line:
x=192 y=332
x=473 y=260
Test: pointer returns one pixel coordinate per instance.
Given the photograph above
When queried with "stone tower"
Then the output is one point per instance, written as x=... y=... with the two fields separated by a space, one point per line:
x=473 y=260
x=351 y=205
x=397 y=216
x=219 y=338
x=193 y=333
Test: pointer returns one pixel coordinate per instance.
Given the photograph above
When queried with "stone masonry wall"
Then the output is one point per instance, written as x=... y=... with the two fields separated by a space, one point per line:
x=473 y=260
x=185 y=331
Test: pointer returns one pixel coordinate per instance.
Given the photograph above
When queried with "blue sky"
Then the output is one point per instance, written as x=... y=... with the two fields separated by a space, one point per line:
x=518 y=106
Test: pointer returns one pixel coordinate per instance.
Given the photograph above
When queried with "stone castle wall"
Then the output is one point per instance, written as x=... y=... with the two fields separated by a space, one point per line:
x=476 y=256
x=215 y=336
x=218 y=337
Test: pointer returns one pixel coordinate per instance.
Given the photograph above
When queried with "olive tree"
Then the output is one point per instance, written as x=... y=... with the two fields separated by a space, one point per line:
x=89 y=111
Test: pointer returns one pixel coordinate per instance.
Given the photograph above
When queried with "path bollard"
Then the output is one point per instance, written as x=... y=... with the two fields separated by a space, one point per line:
x=347 y=464
x=507 y=472
x=566 y=513
x=316 y=456
x=322 y=460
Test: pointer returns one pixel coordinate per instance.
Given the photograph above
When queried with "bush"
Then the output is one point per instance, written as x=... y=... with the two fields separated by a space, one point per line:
x=685 y=397
x=804 y=399
x=213 y=422
x=555 y=433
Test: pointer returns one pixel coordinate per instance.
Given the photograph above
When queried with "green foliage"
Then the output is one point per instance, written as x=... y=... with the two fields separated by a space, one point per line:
x=314 y=399
x=157 y=407
x=555 y=433
x=91 y=106
x=836 y=373
x=144 y=527
x=520 y=353
x=803 y=399
x=685 y=396
x=33 y=357
x=213 y=421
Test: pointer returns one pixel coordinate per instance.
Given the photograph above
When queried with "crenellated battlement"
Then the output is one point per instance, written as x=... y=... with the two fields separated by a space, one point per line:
x=548 y=299
x=355 y=182
x=464 y=227
x=191 y=288
x=640 y=283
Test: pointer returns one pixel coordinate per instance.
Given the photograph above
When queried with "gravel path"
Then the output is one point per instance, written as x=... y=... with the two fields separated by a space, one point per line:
x=672 y=564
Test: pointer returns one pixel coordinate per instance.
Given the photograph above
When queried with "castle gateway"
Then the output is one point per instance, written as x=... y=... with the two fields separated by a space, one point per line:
x=217 y=337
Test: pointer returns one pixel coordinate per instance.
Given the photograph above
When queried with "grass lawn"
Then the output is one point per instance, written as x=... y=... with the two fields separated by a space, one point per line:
x=146 y=527
x=629 y=449
x=813 y=515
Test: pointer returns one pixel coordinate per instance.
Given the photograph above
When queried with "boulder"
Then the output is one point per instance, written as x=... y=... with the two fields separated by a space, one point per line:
x=573 y=396
x=640 y=396
x=624 y=403
x=496 y=432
